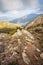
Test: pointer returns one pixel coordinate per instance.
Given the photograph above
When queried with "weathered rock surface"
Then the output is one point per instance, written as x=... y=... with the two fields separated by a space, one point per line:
x=20 y=48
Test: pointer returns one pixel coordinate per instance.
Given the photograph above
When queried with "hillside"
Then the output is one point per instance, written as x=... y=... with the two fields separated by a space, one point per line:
x=36 y=28
x=36 y=21
x=8 y=27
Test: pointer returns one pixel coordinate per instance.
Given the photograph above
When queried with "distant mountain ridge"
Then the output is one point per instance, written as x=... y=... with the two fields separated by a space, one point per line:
x=22 y=20
x=25 y=19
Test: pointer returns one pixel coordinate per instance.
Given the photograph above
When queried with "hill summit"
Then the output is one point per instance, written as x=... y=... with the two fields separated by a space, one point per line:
x=37 y=21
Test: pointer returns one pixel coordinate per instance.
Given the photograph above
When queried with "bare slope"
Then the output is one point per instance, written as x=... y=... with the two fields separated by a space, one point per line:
x=36 y=28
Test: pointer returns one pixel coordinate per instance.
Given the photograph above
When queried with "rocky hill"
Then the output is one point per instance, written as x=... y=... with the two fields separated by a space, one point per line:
x=20 y=48
x=36 y=28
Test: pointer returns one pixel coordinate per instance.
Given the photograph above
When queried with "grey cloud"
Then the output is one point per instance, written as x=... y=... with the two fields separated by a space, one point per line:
x=11 y=4
x=18 y=4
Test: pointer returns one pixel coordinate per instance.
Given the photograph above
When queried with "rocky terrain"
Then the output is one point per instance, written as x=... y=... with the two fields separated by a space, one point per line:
x=36 y=28
x=20 y=48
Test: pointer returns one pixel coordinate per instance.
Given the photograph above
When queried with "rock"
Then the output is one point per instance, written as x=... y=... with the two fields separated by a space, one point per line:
x=38 y=50
x=41 y=55
x=17 y=34
x=15 y=54
x=1 y=48
x=25 y=58
x=28 y=34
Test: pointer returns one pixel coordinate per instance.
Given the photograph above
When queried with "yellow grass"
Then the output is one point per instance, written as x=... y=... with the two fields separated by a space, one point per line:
x=8 y=25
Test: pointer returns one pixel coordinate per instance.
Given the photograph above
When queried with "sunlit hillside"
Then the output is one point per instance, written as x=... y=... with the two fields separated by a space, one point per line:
x=8 y=27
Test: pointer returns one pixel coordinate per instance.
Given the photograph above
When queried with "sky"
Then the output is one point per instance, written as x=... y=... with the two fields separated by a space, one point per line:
x=12 y=9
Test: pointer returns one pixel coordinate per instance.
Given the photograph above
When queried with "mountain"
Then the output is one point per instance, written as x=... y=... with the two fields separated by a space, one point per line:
x=36 y=28
x=23 y=20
